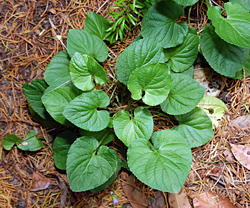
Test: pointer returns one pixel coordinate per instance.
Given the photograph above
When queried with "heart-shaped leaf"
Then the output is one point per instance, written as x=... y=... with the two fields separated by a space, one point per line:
x=189 y=72
x=56 y=101
x=34 y=93
x=234 y=29
x=186 y=2
x=57 y=72
x=154 y=79
x=196 y=127
x=139 y=127
x=240 y=74
x=87 y=43
x=184 y=96
x=88 y=165
x=82 y=70
x=111 y=179
x=164 y=166
x=96 y=24
x=68 y=84
x=223 y=57
x=10 y=140
x=214 y=108
x=48 y=122
x=105 y=136
x=31 y=142
x=83 y=111
x=183 y=56
x=160 y=22
x=61 y=147
x=244 y=3
x=140 y=53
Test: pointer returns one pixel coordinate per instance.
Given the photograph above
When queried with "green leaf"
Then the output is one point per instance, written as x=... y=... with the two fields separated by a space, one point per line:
x=83 y=112
x=48 y=122
x=10 y=140
x=186 y=2
x=83 y=69
x=239 y=74
x=31 y=142
x=34 y=93
x=56 y=101
x=57 y=72
x=223 y=57
x=189 y=72
x=88 y=165
x=111 y=179
x=244 y=3
x=105 y=136
x=160 y=22
x=183 y=56
x=154 y=79
x=214 y=108
x=196 y=127
x=96 y=24
x=164 y=166
x=140 y=53
x=234 y=29
x=61 y=147
x=184 y=96
x=139 y=127
x=86 y=43
x=68 y=84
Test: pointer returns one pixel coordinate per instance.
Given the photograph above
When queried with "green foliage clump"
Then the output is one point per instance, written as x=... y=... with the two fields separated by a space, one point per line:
x=156 y=70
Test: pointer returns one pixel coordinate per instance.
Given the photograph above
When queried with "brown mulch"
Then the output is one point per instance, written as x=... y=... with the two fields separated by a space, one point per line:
x=27 y=43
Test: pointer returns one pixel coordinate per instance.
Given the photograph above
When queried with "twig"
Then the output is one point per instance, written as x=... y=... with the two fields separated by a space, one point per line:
x=102 y=6
x=218 y=180
x=217 y=4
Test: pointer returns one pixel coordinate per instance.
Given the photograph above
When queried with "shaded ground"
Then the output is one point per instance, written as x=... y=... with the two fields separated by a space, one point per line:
x=27 y=44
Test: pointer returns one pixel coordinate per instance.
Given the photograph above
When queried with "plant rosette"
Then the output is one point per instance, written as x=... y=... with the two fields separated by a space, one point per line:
x=155 y=72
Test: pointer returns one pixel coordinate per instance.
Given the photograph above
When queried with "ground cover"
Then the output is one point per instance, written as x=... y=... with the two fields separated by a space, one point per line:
x=28 y=30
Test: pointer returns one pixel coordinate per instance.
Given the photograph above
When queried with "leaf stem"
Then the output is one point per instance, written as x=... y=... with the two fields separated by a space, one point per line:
x=162 y=114
x=116 y=83
x=201 y=30
x=103 y=138
x=152 y=146
x=208 y=3
x=189 y=13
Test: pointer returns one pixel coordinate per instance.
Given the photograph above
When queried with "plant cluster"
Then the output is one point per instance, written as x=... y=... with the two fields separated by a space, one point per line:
x=157 y=70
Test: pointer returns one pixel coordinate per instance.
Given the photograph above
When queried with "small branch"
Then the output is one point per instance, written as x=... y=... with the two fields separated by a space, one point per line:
x=102 y=6
x=217 y=4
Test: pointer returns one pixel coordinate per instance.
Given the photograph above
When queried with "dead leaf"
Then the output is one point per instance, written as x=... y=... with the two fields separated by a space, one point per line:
x=179 y=200
x=63 y=188
x=214 y=108
x=202 y=75
x=242 y=154
x=53 y=11
x=241 y=122
x=39 y=182
x=215 y=171
x=211 y=200
x=136 y=198
x=228 y=156
x=157 y=201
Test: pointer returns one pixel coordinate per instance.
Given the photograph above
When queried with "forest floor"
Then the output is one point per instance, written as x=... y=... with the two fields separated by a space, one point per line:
x=27 y=44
